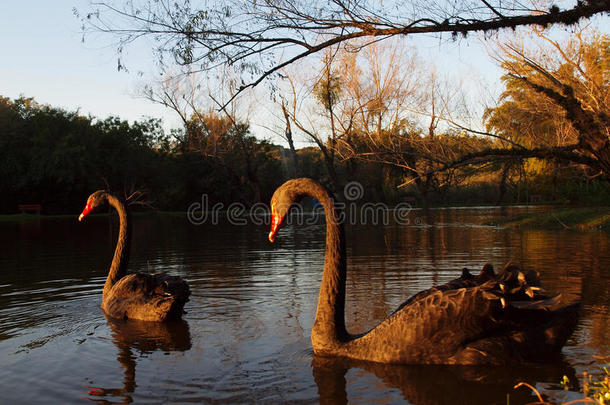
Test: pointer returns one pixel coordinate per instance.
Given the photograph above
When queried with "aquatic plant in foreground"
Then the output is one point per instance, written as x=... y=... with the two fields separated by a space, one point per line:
x=595 y=391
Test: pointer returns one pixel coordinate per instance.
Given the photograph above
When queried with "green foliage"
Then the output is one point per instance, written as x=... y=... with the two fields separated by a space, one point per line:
x=238 y=157
x=56 y=158
x=328 y=89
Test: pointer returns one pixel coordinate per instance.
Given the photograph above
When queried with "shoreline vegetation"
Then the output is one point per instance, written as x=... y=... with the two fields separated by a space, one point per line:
x=53 y=159
x=561 y=218
x=581 y=218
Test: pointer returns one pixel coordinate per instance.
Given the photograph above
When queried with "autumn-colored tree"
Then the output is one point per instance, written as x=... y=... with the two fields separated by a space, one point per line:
x=222 y=138
x=393 y=105
x=231 y=146
x=311 y=105
x=556 y=101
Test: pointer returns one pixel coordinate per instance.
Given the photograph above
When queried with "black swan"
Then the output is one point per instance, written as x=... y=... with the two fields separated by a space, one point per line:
x=484 y=320
x=148 y=297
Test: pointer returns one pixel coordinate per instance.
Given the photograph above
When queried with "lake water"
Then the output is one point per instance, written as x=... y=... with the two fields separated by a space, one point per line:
x=246 y=336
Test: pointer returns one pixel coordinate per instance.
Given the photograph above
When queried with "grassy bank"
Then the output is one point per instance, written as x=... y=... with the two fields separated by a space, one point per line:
x=26 y=217
x=36 y=217
x=575 y=218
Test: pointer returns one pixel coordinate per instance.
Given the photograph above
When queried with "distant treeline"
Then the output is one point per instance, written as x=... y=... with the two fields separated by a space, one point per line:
x=56 y=158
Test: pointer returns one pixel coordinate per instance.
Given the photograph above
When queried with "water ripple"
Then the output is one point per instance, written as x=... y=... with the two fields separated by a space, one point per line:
x=246 y=335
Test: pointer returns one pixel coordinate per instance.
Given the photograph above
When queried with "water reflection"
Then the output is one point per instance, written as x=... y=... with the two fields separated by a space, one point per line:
x=432 y=385
x=253 y=305
x=143 y=338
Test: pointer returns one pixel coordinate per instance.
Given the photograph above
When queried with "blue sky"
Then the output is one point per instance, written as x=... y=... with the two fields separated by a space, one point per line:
x=43 y=56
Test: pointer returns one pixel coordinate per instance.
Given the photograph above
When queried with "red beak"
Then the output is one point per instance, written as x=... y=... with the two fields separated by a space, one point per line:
x=85 y=212
x=276 y=221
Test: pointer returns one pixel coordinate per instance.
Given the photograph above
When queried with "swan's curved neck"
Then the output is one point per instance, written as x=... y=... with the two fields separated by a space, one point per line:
x=118 y=268
x=329 y=326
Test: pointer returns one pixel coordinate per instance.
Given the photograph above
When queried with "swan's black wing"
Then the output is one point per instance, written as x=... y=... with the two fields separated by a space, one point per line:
x=154 y=285
x=484 y=324
x=466 y=280
x=512 y=280
x=153 y=297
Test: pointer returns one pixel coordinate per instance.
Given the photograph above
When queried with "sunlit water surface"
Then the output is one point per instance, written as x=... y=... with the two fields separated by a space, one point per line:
x=246 y=336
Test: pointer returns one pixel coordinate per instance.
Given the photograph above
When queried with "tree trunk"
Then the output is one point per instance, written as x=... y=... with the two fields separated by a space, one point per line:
x=294 y=172
x=502 y=185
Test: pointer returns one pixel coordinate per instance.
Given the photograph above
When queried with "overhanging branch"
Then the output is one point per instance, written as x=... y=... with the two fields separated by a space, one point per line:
x=254 y=36
x=563 y=153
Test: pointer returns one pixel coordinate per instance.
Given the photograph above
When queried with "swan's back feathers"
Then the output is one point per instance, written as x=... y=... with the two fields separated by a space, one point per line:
x=500 y=321
x=430 y=329
x=466 y=280
x=150 y=297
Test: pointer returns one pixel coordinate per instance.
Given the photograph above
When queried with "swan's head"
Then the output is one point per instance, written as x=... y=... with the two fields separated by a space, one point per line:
x=279 y=209
x=289 y=193
x=95 y=200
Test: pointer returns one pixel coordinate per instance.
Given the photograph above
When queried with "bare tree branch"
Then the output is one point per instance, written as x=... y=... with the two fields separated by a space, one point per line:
x=261 y=38
x=565 y=153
